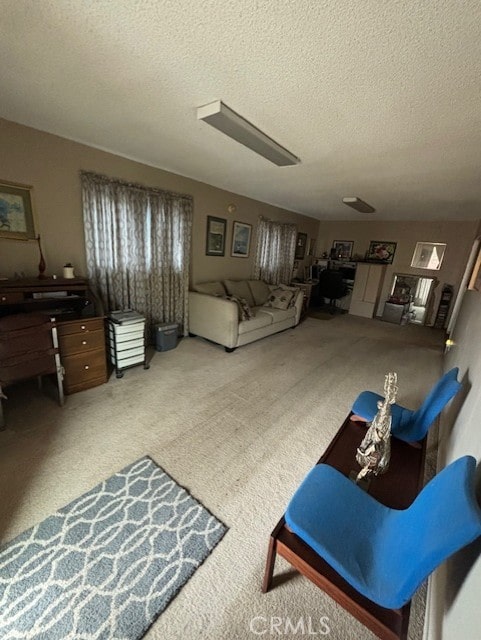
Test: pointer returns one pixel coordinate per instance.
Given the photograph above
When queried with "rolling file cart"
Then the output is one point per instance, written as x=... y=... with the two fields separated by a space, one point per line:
x=126 y=340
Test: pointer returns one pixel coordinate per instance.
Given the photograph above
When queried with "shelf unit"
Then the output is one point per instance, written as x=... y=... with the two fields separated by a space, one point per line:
x=444 y=306
x=126 y=340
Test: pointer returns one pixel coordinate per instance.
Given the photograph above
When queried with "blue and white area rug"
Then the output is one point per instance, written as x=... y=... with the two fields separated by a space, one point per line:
x=106 y=565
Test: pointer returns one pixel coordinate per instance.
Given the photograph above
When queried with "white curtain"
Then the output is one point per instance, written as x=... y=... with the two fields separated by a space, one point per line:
x=275 y=250
x=421 y=294
x=138 y=247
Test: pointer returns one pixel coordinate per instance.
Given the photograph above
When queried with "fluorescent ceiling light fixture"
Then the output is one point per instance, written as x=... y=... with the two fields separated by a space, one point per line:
x=358 y=205
x=220 y=116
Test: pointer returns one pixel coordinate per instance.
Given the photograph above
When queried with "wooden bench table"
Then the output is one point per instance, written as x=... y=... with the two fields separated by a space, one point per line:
x=397 y=489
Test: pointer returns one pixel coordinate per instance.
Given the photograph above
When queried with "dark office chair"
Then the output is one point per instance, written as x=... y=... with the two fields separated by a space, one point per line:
x=332 y=287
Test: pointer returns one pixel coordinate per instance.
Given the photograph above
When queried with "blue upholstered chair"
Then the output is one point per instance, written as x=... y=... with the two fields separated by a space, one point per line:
x=409 y=425
x=386 y=553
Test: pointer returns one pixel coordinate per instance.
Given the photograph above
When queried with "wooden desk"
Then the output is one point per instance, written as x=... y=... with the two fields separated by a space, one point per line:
x=82 y=349
x=397 y=488
x=34 y=294
x=78 y=314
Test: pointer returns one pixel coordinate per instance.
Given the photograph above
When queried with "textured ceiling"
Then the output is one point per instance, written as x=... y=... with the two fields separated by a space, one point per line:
x=379 y=99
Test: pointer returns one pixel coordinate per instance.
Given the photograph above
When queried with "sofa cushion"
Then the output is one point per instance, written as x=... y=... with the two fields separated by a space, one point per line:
x=295 y=291
x=277 y=315
x=240 y=289
x=211 y=288
x=257 y=322
x=279 y=298
x=260 y=291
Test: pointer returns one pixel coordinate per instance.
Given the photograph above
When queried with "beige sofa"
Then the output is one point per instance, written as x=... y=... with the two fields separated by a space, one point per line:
x=218 y=311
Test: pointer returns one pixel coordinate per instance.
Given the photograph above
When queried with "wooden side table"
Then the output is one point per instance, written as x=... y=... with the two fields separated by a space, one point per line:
x=308 y=288
x=397 y=488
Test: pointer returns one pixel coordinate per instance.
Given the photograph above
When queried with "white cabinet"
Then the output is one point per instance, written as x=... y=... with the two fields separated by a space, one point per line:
x=367 y=289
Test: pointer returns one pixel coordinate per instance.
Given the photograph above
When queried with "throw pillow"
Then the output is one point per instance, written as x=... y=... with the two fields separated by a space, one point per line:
x=245 y=312
x=279 y=299
x=260 y=291
x=295 y=291
x=239 y=289
x=210 y=288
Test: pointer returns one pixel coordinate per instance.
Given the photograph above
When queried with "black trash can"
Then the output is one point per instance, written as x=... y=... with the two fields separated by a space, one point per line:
x=166 y=336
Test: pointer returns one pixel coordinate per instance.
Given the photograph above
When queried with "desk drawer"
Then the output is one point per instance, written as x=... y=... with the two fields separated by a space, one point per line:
x=81 y=342
x=80 y=326
x=84 y=370
x=12 y=297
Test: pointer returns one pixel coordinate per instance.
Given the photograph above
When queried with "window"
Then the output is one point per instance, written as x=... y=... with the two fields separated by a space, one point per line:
x=276 y=246
x=428 y=255
x=138 y=247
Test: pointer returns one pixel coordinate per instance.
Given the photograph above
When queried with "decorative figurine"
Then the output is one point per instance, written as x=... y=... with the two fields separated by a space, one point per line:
x=41 y=265
x=374 y=452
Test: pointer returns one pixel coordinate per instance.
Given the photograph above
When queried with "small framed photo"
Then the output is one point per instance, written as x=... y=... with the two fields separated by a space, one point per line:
x=301 y=245
x=381 y=251
x=215 y=240
x=16 y=212
x=343 y=249
x=241 y=239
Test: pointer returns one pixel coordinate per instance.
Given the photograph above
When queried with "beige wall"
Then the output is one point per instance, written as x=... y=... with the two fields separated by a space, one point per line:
x=453 y=603
x=457 y=235
x=52 y=164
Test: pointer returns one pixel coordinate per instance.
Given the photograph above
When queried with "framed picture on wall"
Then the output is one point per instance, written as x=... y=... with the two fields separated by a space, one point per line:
x=381 y=251
x=301 y=245
x=16 y=213
x=343 y=249
x=215 y=240
x=241 y=239
x=428 y=255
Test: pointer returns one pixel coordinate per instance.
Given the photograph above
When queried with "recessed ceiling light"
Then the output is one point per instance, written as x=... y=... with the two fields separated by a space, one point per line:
x=220 y=116
x=358 y=205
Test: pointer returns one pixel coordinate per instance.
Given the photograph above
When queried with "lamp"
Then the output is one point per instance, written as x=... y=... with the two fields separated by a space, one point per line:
x=358 y=204
x=220 y=116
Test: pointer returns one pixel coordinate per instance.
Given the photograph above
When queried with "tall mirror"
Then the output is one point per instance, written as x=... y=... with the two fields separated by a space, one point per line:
x=410 y=299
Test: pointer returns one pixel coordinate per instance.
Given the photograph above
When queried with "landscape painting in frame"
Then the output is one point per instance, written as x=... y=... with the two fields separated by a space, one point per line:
x=16 y=214
x=381 y=251
x=241 y=239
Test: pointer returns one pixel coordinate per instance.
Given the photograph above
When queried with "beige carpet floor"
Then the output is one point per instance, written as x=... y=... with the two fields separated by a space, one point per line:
x=239 y=431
